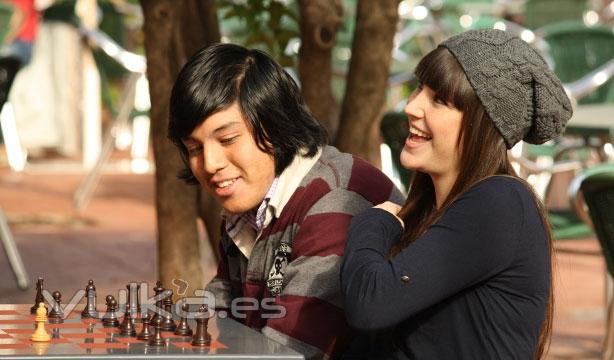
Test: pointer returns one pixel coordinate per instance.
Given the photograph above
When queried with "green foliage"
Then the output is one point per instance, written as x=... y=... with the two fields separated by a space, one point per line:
x=268 y=25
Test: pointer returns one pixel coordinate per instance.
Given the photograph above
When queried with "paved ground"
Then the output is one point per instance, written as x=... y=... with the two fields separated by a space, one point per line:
x=113 y=242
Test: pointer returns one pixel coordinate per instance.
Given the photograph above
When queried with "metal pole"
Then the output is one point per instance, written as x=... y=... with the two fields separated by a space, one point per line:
x=12 y=253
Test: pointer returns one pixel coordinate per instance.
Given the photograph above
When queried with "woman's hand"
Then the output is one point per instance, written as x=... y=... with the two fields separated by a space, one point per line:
x=391 y=208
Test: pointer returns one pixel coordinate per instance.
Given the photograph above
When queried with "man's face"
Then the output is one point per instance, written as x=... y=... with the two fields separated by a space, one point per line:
x=223 y=156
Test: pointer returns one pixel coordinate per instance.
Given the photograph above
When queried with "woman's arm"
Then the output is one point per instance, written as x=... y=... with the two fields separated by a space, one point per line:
x=474 y=240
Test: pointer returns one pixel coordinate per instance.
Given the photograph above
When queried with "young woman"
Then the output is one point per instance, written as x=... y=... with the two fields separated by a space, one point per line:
x=463 y=269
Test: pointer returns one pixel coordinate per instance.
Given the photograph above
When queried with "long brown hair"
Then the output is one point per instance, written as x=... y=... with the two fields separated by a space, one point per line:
x=483 y=153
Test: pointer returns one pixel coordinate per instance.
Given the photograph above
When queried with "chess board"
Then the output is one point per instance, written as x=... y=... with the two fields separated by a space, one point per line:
x=80 y=338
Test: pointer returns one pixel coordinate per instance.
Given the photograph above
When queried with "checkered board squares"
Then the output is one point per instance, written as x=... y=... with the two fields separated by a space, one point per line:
x=78 y=336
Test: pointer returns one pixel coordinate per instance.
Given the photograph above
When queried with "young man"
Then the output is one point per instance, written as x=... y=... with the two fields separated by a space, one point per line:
x=246 y=136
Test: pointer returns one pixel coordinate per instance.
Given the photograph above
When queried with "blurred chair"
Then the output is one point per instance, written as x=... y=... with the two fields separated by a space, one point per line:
x=576 y=50
x=539 y=13
x=595 y=189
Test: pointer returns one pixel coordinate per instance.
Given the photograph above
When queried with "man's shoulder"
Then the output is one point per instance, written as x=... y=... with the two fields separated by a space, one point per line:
x=346 y=172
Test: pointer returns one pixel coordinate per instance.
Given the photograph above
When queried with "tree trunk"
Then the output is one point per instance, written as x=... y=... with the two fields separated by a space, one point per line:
x=358 y=133
x=168 y=44
x=319 y=21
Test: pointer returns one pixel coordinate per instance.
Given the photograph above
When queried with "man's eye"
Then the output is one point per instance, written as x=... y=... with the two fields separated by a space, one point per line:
x=195 y=150
x=228 y=140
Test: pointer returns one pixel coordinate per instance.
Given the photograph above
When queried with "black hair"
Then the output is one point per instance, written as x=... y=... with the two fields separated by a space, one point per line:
x=220 y=75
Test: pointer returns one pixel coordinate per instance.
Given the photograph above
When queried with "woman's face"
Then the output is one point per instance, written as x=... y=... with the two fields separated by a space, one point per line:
x=434 y=128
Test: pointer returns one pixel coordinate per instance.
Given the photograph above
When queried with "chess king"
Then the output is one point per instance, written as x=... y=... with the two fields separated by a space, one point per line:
x=246 y=136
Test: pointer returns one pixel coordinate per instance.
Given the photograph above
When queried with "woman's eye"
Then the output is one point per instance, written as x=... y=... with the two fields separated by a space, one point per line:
x=440 y=101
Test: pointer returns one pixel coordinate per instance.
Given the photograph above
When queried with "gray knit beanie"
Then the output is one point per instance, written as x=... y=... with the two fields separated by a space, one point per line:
x=521 y=94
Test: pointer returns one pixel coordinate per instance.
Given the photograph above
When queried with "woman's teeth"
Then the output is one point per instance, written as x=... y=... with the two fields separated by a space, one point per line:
x=420 y=133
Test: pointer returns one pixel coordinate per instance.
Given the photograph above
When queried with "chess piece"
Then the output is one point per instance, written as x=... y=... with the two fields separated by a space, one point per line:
x=201 y=336
x=110 y=317
x=127 y=326
x=134 y=297
x=56 y=315
x=158 y=290
x=183 y=329
x=157 y=339
x=90 y=307
x=145 y=334
x=168 y=324
x=40 y=334
x=39 y=296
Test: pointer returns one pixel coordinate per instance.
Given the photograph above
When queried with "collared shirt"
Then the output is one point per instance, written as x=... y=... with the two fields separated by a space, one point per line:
x=279 y=193
x=254 y=217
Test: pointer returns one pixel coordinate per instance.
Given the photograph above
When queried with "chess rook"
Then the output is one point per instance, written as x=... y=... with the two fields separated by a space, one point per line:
x=201 y=336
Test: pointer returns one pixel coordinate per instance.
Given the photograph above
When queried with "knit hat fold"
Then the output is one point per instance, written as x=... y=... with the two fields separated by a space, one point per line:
x=522 y=96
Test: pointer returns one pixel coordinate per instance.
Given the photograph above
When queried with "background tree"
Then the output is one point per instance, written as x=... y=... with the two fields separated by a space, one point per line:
x=174 y=30
x=367 y=78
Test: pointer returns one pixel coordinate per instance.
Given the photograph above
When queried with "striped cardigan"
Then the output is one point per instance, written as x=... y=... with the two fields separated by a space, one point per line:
x=293 y=269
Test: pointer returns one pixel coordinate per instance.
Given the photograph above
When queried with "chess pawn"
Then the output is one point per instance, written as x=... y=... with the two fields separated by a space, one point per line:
x=201 y=336
x=110 y=317
x=90 y=307
x=56 y=315
x=127 y=326
x=40 y=334
x=183 y=329
x=145 y=334
x=158 y=289
x=157 y=339
x=168 y=324
x=39 y=296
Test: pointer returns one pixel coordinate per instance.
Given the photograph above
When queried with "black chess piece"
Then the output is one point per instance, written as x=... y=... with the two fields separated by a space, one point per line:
x=90 y=307
x=127 y=326
x=39 y=296
x=56 y=315
x=157 y=339
x=110 y=317
x=159 y=306
x=145 y=334
x=201 y=336
x=167 y=321
x=183 y=329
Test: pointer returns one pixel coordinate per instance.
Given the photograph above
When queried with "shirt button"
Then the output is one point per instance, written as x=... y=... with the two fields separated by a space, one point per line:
x=405 y=278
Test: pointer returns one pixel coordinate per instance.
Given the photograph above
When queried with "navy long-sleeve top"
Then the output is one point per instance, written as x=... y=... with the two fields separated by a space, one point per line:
x=474 y=286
